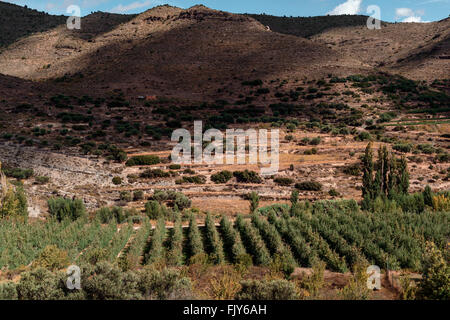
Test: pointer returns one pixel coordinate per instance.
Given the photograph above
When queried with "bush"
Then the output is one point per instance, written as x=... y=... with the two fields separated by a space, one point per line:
x=193 y=179
x=247 y=176
x=315 y=141
x=174 y=167
x=154 y=173
x=333 y=193
x=267 y=290
x=8 y=291
x=143 y=160
x=117 y=180
x=153 y=209
x=309 y=186
x=62 y=208
x=435 y=284
x=18 y=173
x=352 y=170
x=52 y=258
x=39 y=284
x=138 y=195
x=356 y=289
x=106 y=215
x=126 y=196
x=402 y=147
x=363 y=135
x=283 y=181
x=252 y=83
x=41 y=180
x=181 y=201
x=221 y=177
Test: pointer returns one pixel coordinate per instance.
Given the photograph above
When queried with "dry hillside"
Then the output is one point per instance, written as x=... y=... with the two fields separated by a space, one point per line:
x=169 y=50
x=415 y=50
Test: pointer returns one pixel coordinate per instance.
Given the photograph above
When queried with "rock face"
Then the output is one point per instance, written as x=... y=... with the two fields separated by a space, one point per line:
x=69 y=175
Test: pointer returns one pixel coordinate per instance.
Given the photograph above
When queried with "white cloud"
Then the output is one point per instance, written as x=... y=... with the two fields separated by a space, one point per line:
x=348 y=7
x=412 y=19
x=404 y=12
x=132 y=6
x=408 y=15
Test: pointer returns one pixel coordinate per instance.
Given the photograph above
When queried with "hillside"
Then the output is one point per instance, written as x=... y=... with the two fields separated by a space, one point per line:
x=17 y=22
x=169 y=50
x=415 y=50
x=309 y=26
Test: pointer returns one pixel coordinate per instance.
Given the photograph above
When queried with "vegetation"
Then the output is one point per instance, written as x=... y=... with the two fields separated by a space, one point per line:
x=143 y=160
x=63 y=208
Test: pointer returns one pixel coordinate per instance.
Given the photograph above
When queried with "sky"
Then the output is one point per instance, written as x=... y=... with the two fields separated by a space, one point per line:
x=390 y=10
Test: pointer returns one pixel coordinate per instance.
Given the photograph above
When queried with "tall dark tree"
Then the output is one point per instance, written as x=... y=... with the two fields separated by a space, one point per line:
x=390 y=178
x=367 y=168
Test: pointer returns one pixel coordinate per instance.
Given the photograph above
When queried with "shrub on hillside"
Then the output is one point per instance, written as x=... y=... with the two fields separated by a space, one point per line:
x=221 y=177
x=62 y=208
x=247 y=176
x=309 y=186
x=143 y=160
x=267 y=290
x=283 y=181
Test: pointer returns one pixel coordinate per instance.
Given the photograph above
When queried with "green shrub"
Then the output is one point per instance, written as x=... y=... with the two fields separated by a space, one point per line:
x=153 y=209
x=62 y=208
x=106 y=215
x=143 y=160
x=39 y=284
x=117 y=180
x=283 y=181
x=352 y=170
x=126 y=196
x=402 y=147
x=315 y=141
x=435 y=284
x=138 y=195
x=181 y=201
x=17 y=173
x=193 y=179
x=267 y=290
x=52 y=258
x=8 y=291
x=174 y=167
x=247 y=176
x=41 y=180
x=309 y=186
x=221 y=177
x=154 y=173
x=333 y=193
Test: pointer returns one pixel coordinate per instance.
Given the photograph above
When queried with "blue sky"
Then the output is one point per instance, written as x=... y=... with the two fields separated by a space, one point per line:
x=391 y=10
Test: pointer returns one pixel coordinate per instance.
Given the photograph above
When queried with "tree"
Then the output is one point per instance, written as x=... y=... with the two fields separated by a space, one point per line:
x=367 y=168
x=390 y=179
x=435 y=283
x=253 y=197
x=63 y=208
x=428 y=196
x=13 y=202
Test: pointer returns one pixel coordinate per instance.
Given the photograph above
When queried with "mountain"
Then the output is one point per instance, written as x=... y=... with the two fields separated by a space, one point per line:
x=202 y=53
x=308 y=26
x=17 y=22
x=415 y=50
x=166 y=49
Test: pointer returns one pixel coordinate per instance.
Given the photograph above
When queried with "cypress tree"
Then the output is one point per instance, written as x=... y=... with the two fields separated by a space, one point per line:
x=367 y=168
